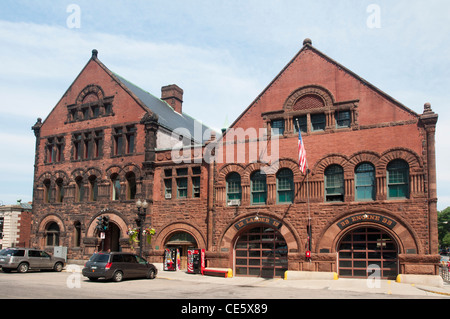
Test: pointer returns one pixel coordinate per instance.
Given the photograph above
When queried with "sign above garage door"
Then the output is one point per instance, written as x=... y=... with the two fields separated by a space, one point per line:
x=366 y=217
x=257 y=220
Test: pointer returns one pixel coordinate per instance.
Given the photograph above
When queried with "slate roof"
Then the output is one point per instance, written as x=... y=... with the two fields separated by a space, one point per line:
x=167 y=117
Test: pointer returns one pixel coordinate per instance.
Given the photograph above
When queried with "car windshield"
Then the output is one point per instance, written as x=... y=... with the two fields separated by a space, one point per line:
x=100 y=258
x=12 y=252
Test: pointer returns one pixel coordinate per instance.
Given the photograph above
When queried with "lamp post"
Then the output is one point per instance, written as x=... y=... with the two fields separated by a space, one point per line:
x=140 y=220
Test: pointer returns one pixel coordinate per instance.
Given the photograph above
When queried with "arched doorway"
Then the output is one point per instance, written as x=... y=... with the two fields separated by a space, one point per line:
x=260 y=251
x=183 y=241
x=111 y=241
x=365 y=249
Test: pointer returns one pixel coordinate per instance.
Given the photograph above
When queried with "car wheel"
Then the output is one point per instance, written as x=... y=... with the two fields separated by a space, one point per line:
x=23 y=268
x=151 y=274
x=118 y=276
x=58 y=267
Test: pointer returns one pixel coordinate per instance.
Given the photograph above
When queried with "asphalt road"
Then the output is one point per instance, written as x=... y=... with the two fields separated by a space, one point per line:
x=186 y=296
x=67 y=285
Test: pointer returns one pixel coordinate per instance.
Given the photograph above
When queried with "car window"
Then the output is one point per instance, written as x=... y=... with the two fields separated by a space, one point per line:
x=101 y=258
x=117 y=258
x=13 y=252
x=34 y=253
x=129 y=259
x=141 y=260
x=44 y=254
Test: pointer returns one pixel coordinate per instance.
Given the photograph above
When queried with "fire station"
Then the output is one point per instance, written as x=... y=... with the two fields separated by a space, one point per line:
x=367 y=198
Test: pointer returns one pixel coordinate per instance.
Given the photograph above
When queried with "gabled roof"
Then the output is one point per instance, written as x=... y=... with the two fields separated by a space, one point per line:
x=167 y=117
x=307 y=45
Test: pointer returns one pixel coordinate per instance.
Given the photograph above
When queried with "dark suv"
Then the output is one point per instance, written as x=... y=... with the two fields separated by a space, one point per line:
x=22 y=259
x=118 y=266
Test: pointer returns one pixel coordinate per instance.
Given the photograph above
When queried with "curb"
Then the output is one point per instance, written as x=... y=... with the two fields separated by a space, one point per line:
x=310 y=275
x=434 y=291
x=427 y=280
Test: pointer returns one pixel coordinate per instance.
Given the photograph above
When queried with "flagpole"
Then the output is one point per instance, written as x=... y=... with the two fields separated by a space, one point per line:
x=308 y=227
x=309 y=209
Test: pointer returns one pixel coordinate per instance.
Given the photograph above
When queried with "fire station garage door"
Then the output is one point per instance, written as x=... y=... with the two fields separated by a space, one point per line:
x=261 y=252
x=367 y=249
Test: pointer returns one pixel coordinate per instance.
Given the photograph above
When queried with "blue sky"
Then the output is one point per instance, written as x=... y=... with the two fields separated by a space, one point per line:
x=222 y=53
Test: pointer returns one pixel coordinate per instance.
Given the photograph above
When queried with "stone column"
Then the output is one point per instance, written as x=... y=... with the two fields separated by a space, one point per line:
x=34 y=231
x=429 y=120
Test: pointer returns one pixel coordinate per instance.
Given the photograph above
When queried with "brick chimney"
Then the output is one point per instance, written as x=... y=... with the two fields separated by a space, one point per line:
x=173 y=95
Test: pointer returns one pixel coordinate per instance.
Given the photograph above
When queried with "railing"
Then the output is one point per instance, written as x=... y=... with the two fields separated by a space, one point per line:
x=444 y=272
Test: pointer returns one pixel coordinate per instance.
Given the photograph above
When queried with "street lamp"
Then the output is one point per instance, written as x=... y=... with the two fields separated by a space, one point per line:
x=140 y=220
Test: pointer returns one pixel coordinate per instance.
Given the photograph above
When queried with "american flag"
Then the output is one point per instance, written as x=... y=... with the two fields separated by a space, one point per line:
x=301 y=153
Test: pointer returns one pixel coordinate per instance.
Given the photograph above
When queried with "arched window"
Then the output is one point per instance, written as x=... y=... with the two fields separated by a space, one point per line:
x=259 y=189
x=285 y=186
x=79 y=189
x=52 y=234
x=398 y=179
x=115 y=187
x=334 y=184
x=131 y=186
x=234 y=189
x=365 y=182
x=59 y=190
x=93 y=188
x=77 y=234
x=47 y=191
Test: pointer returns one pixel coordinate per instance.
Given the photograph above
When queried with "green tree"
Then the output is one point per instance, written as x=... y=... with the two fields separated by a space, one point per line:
x=444 y=227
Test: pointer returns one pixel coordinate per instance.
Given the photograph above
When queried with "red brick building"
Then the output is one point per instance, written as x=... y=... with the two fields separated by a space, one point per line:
x=95 y=156
x=367 y=201
x=371 y=186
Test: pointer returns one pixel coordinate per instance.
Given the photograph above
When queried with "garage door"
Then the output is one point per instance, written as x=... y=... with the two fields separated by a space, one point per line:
x=368 y=248
x=261 y=252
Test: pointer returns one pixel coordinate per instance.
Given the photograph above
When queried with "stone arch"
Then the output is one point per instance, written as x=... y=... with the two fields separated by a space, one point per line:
x=402 y=232
x=90 y=90
x=338 y=159
x=45 y=176
x=49 y=218
x=93 y=171
x=114 y=169
x=168 y=230
x=128 y=168
x=290 y=164
x=289 y=232
x=250 y=169
x=76 y=173
x=409 y=156
x=61 y=175
x=312 y=90
x=227 y=169
x=114 y=216
x=362 y=157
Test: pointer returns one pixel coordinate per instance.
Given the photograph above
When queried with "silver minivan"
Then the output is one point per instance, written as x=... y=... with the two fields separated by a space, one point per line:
x=23 y=259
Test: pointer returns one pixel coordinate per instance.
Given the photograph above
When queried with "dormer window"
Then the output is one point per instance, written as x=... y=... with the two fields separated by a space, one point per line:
x=91 y=103
x=318 y=122
x=343 y=119
x=311 y=110
x=278 y=127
